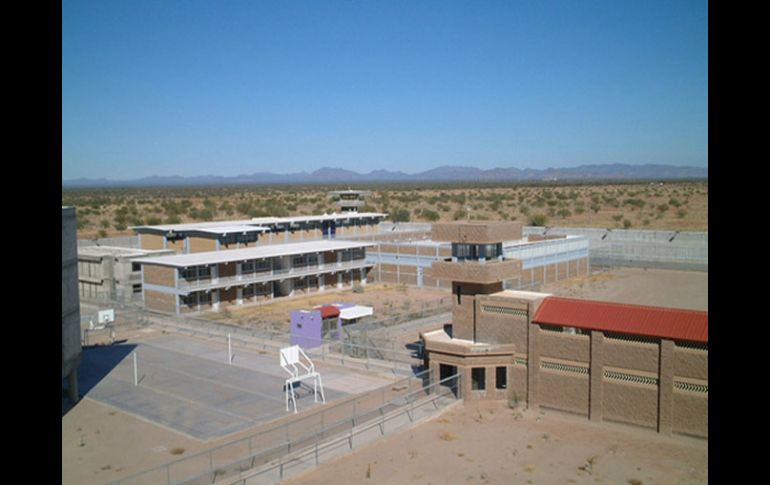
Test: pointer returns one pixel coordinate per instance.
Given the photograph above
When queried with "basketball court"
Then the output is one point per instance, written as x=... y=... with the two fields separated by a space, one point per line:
x=186 y=384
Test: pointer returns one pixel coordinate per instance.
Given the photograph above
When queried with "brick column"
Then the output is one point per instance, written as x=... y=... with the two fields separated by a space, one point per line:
x=533 y=365
x=665 y=386
x=596 y=376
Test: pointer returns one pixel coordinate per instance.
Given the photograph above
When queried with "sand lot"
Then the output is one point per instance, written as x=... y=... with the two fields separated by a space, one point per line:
x=492 y=444
x=661 y=287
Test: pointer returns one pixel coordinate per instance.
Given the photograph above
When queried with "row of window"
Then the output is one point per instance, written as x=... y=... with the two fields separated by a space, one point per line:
x=478 y=378
x=476 y=251
x=259 y=265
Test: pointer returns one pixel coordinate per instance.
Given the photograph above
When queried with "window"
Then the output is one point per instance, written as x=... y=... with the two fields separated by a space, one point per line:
x=457 y=292
x=136 y=266
x=478 y=375
x=248 y=291
x=501 y=378
x=204 y=272
x=204 y=297
x=137 y=288
x=247 y=267
x=188 y=273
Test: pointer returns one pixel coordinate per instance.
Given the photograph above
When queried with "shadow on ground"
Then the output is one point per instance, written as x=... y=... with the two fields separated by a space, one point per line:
x=96 y=362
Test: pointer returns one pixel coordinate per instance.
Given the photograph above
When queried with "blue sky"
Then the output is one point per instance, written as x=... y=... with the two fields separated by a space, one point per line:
x=231 y=87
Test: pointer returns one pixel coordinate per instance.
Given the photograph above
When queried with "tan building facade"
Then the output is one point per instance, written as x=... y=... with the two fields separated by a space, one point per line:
x=209 y=281
x=646 y=366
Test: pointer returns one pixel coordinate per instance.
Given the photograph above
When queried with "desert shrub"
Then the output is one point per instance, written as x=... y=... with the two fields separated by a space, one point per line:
x=626 y=224
x=430 y=215
x=459 y=214
x=538 y=220
x=400 y=215
x=617 y=217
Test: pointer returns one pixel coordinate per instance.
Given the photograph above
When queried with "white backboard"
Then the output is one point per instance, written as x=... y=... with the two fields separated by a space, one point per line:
x=290 y=355
x=106 y=316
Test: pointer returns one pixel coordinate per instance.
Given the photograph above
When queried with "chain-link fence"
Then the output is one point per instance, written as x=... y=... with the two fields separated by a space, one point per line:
x=275 y=445
x=629 y=247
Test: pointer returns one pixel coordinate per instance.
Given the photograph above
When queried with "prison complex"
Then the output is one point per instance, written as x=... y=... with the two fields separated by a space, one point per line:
x=641 y=365
x=211 y=280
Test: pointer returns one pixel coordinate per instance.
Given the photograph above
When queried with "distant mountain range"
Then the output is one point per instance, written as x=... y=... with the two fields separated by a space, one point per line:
x=328 y=175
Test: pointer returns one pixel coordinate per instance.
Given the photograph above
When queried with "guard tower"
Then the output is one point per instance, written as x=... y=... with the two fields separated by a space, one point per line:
x=477 y=267
x=488 y=339
x=349 y=200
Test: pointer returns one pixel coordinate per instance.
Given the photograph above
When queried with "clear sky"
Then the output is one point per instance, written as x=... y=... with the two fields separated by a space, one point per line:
x=228 y=87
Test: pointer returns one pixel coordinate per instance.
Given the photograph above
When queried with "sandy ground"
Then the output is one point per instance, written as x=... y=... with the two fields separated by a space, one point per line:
x=388 y=300
x=661 y=287
x=101 y=443
x=490 y=443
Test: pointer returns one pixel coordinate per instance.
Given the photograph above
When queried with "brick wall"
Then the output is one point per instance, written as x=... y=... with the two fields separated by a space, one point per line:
x=692 y=363
x=159 y=275
x=200 y=244
x=162 y=302
x=150 y=241
x=630 y=403
x=564 y=346
x=631 y=355
x=563 y=391
x=691 y=413
x=226 y=269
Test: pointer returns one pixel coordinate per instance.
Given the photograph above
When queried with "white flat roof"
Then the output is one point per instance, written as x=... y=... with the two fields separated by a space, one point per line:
x=99 y=251
x=232 y=229
x=356 y=311
x=259 y=221
x=258 y=252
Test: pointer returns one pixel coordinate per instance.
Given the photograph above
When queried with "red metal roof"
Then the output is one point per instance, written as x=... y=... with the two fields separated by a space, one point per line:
x=329 y=311
x=670 y=323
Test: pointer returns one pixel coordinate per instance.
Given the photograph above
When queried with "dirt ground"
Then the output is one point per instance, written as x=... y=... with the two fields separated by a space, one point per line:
x=489 y=443
x=659 y=287
x=100 y=443
x=388 y=300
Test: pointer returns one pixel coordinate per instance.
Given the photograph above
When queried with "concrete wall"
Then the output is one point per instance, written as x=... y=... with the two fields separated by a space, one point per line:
x=70 y=302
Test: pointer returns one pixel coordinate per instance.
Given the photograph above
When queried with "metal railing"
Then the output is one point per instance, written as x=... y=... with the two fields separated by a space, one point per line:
x=275 y=445
x=265 y=276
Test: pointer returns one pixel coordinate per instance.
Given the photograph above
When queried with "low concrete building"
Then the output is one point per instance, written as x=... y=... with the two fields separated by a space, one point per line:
x=417 y=261
x=219 y=235
x=349 y=200
x=111 y=273
x=634 y=364
x=70 y=303
x=216 y=279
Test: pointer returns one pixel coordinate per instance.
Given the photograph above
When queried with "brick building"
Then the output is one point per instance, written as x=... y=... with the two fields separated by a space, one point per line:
x=640 y=365
x=211 y=280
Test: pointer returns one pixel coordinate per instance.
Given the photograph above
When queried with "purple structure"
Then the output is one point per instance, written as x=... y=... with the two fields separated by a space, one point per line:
x=308 y=327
